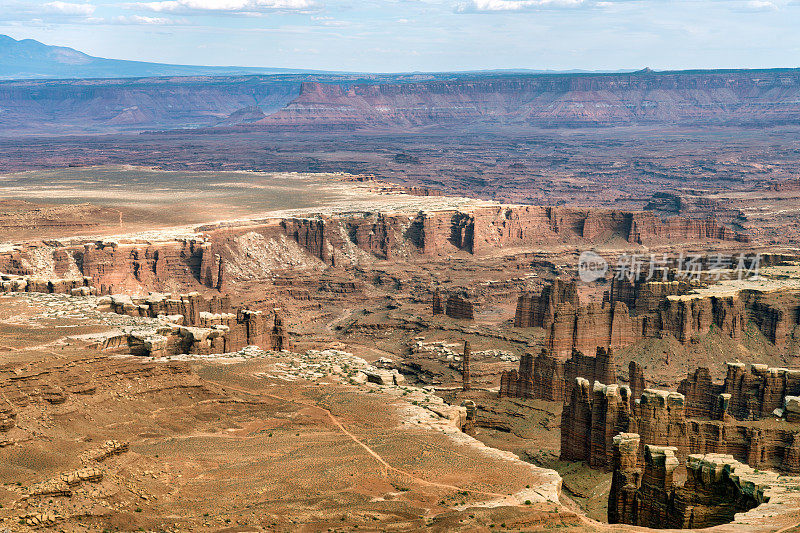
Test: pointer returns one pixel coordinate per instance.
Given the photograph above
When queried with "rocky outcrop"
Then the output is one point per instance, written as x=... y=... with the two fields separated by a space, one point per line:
x=539 y=310
x=486 y=229
x=718 y=489
x=644 y=296
x=662 y=418
x=586 y=328
x=465 y=370
x=112 y=265
x=590 y=421
x=648 y=228
x=458 y=306
x=662 y=308
x=436 y=304
x=749 y=393
x=547 y=377
x=192 y=324
x=81 y=286
x=686 y=316
x=278 y=339
x=636 y=379
x=625 y=480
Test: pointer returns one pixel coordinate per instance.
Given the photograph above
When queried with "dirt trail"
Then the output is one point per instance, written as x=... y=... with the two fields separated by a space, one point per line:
x=503 y=498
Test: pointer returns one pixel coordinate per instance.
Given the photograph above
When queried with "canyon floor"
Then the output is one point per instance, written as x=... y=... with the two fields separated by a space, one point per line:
x=248 y=441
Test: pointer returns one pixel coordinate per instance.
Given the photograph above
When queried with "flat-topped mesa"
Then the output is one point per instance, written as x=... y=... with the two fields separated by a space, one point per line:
x=151 y=265
x=718 y=490
x=189 y=306
x=474 y=229
x=775 y=314
x=644 y=296
x=539 y=310
x=648 y=228
x=547 y=377
x=113 y=264
x=685 y=317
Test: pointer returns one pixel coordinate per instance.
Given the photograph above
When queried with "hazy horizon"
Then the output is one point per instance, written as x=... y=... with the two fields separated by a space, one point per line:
x=421 y=35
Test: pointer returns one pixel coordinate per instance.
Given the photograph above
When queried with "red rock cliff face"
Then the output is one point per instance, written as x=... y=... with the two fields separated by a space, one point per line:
x=686 y=317
x=539 y=310
x=718 y=489
x=488 y=229
x=113 y=266
x=588 y=327
x=547 y=378
x=692 y=97
x=671 y=419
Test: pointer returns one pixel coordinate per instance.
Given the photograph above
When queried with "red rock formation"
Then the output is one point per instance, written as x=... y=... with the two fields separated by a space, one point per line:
x=548 y=378
x=687 y=316
x=649 y=228
x=716 y=489
x=538 y=311
x=465 y=370
x=700 y=393
x=636 y=380
x=684 y=317
x=667 y=419
x=576 y=423
x=278 y=340
x=591 y=420
x=643 y=296
x=196 y=325
x=758 y=392
x=588 y=327
x=625 y=481
x=459 y=307
x=437 y=302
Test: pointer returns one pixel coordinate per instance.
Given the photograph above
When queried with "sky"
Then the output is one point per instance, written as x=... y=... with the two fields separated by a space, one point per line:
x=421 y=35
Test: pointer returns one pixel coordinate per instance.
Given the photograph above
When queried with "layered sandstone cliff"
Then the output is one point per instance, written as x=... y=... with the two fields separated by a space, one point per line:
x=718 y=489
x=597 y=99
x=596 y=413
x=549 y=378
x=539 y=310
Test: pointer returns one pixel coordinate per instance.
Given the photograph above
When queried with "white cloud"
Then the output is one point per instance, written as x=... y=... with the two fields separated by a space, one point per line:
x=138 y=19
x=500 y=6
x=185 y=6
x=760 y=5
x=68 y=8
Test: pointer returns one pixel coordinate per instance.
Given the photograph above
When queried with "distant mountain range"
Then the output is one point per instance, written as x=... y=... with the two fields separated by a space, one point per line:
x=128 y=96
x=29 y=59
